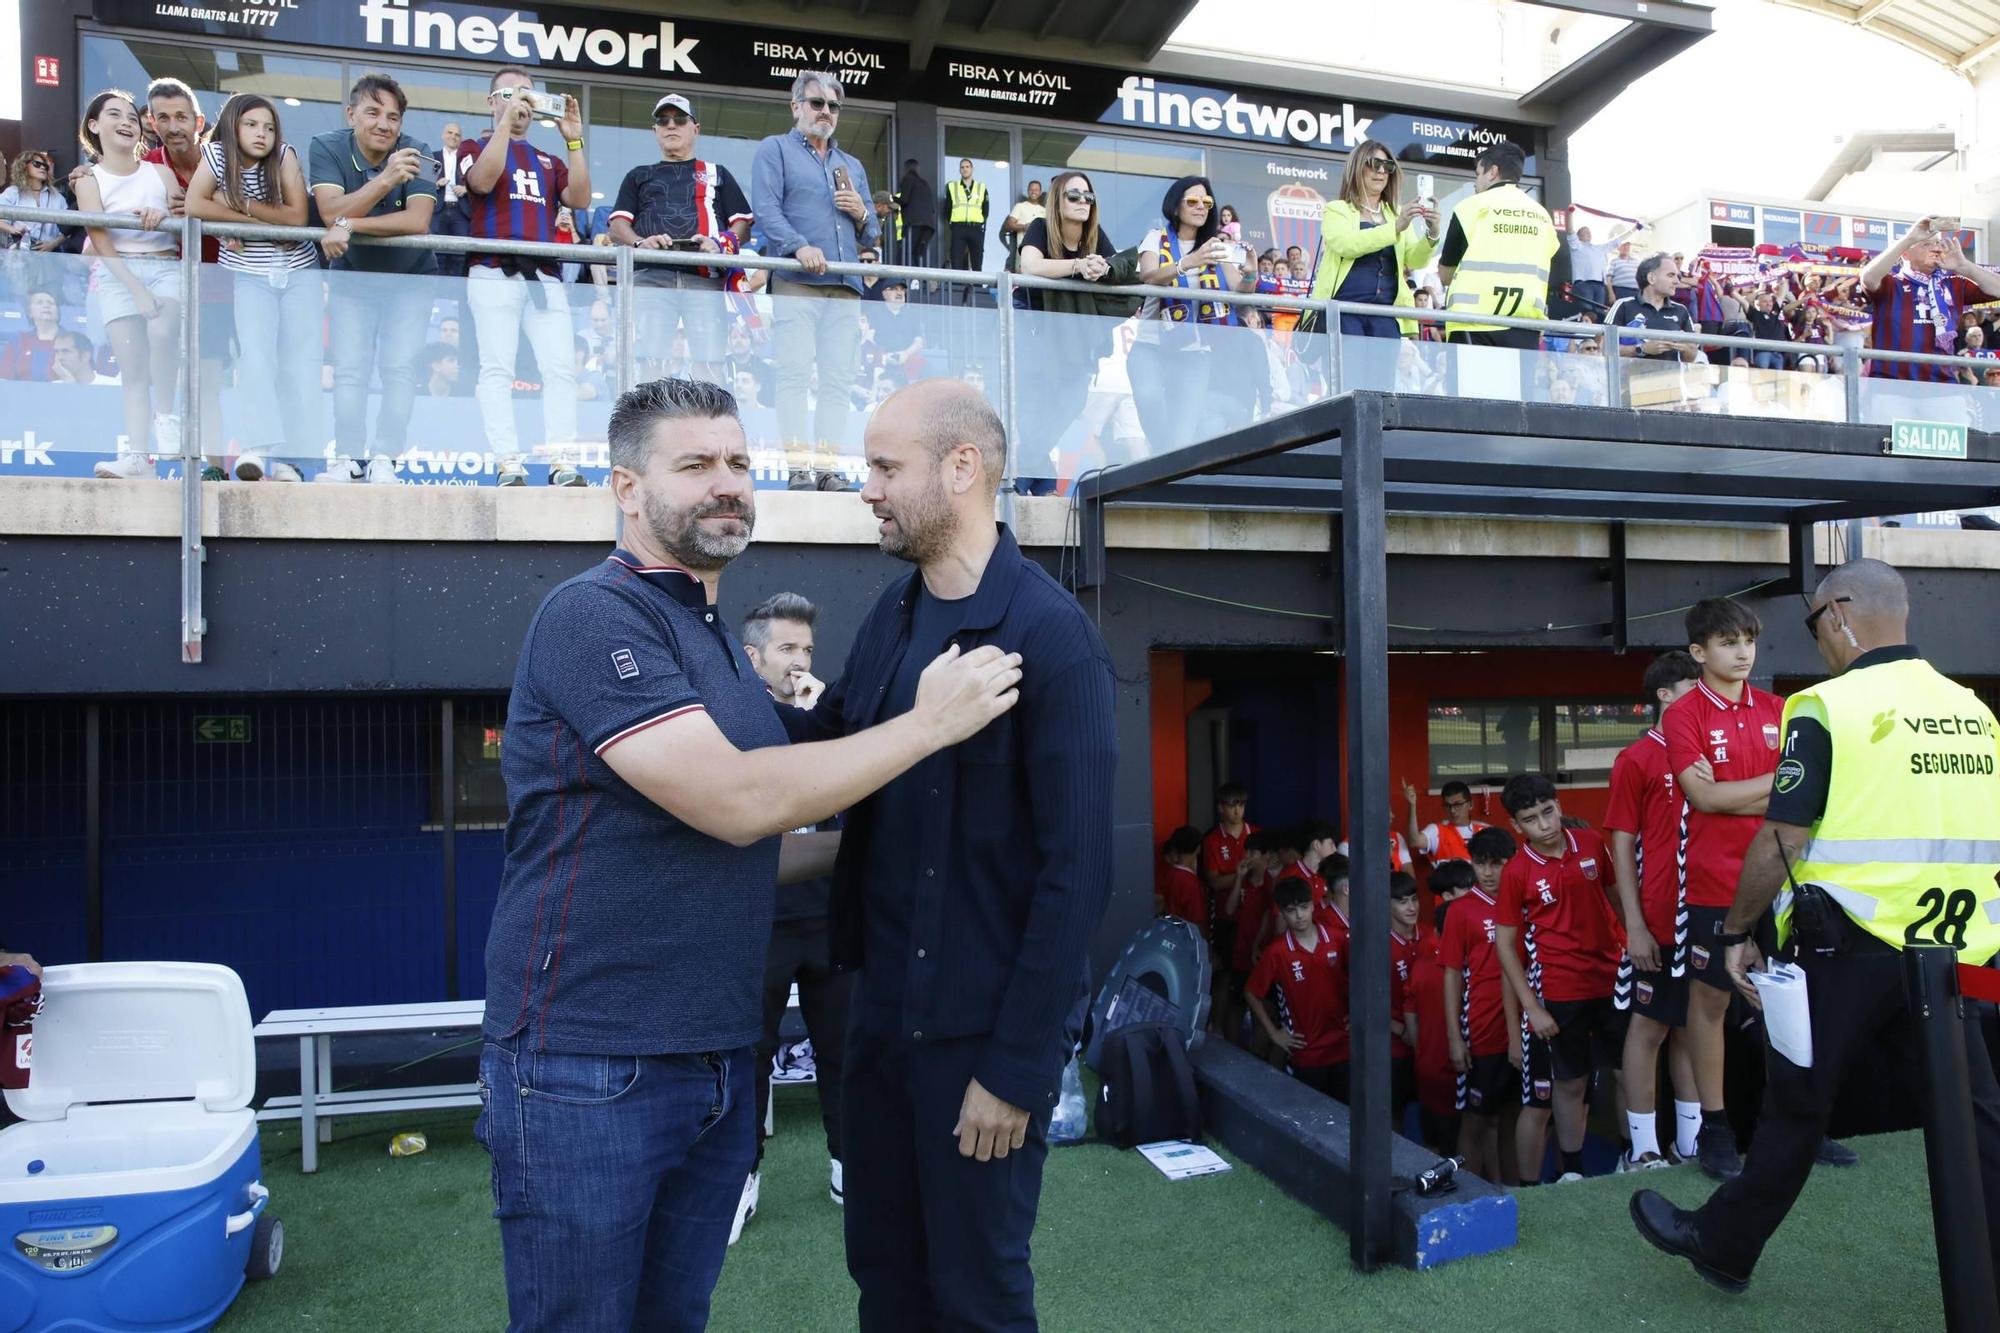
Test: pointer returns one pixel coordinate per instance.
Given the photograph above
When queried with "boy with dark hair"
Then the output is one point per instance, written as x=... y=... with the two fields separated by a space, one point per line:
x=1307 y=970
x=1445 y=840
x=1644 y=821
x=1179 y=891
x=1303 y=853
x=1552 y=908
x=1334 y=913
x=1722 y=747
x=1245 y=906
x=1224 y=850
x=1485 y=1031
x=1437 y=1078
x=1406 y=945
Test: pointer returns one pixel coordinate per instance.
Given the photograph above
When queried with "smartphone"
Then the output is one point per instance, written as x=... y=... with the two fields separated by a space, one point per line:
x=684 y=244
x=548 y=104
x=1427 y=188
x=1239 y=254
x=841 y=180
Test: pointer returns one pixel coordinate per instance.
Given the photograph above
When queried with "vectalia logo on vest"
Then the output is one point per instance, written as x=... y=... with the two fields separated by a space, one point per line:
x=397 y=23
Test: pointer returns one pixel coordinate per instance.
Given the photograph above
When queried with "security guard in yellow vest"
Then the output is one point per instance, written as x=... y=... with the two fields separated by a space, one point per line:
x=1883 y=830
x=1496 y=254
x=965 y=217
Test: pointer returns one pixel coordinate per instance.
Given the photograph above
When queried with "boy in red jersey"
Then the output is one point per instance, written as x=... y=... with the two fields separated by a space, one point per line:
x=1180 y=891
x=1223 y=851
x=1485 y=1020
x=1406 y=945
x=1437 y=1078
x=1644 y=821
x=1307 y=971
x=1722 y=747
x=1552 y=907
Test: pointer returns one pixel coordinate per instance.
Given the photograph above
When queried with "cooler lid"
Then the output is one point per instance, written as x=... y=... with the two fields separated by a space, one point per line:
x=130 y=1032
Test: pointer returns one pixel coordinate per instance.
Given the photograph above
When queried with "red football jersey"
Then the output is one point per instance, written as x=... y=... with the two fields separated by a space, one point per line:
x=1403 y=955
x=1251 y=913
x=1470 y=946
x=1437 y=1081
x=1182 y=894
x=1646 y=802
x=1569 y=936
x=1311 y=987
x=1220 y=853
x=1739 y=740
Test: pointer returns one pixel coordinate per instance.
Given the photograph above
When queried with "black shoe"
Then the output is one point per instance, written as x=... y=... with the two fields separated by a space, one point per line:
x=1715 y=1150
x=1671 y=1231
x=1836 y=1154
x=801 y=480
x=834 y=481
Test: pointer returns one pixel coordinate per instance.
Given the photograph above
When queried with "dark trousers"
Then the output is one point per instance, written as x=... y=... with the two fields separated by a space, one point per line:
x=450 y=220
x=1857 y=1002
x=934 y=1240
x=799 y=953
x=967 y=241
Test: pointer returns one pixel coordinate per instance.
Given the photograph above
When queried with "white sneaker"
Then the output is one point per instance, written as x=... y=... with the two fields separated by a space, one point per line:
x=839 y=1194
x=282 y=472
x=746 y=1207
x=249 y=467
x=513 y=474
x=382 y=471
x=565 y=474
x=1569 y=1177
x=167 y=430
x=342 y=470
x=129 y=467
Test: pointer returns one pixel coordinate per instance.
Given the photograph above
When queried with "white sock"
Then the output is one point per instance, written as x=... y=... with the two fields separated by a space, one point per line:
x=1645 y=1137
x=1687 y=1124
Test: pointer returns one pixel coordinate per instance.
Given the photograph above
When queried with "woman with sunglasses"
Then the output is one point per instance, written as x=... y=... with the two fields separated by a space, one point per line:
x=1061 y=357
x=32 y=186
x=1173 y=361
x=1368 y=249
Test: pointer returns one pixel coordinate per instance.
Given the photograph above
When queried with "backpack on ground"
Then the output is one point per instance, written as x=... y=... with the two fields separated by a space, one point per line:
x=1147 y=1093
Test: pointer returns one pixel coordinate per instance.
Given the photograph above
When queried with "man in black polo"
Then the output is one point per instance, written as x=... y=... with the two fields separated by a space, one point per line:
x=967 y=890
x=1654 y=308
x=647 y=777
x=370 y=180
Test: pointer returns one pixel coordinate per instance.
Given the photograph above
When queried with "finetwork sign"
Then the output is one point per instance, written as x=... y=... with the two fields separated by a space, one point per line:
x=1142 y=102
x=397 y=23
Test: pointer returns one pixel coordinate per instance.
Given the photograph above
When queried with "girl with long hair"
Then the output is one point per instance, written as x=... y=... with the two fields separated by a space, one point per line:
x=1061 y=357
x=1369 y=246
x=250 y=174
x=135 y=283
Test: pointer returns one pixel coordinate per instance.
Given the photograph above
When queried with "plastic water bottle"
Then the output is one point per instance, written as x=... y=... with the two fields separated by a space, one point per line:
x=1637 y=322
x=1070 y=1123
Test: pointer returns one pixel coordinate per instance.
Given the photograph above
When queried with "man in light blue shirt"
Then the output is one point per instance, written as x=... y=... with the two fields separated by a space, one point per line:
x=811 y=202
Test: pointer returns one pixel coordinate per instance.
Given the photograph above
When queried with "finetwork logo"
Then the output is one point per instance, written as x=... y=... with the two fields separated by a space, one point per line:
x=1141 y=103
x=398 y=23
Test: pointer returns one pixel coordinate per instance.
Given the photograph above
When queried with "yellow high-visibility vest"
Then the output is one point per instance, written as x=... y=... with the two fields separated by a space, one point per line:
x=1910 y=839
x=1509 y=241
x=967 y=205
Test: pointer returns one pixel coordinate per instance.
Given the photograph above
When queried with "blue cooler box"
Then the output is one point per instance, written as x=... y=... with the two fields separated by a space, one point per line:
x=130 y=1198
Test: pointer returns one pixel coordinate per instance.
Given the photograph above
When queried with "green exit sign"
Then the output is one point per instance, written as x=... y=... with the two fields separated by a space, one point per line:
x=1927 y=439
x=222 y=729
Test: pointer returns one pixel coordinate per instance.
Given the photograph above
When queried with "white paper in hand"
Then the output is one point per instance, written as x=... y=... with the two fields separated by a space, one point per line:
x=1787 y=1016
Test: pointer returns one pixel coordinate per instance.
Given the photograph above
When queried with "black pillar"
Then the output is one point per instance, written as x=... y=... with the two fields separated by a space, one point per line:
x=93 y=832
x=1365 y=643
x=1951 y=1142
x=448 y=776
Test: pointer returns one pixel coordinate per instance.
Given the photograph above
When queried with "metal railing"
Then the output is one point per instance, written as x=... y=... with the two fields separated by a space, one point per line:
x=626 y=260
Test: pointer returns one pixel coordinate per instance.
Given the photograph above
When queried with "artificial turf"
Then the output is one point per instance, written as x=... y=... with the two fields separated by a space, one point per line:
x=376 y=1243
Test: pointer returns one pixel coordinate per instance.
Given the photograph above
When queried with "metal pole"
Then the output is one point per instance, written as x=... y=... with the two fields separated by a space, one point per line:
x=1951 y=1144
x=93 y=831
x=448 y=818
x=1614 y=368
x=1364 y=603
x=628 y=318
x=1336 y=364
x=1009 y=405
x=193 y=623
x=1850 y=375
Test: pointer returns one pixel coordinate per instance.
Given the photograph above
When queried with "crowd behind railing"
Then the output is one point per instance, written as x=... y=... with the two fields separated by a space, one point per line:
x=414 y=289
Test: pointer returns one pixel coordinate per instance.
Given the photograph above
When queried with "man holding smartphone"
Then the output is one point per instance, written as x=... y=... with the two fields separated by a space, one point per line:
x=681 y=203
x=811 y=201
x=515 y=190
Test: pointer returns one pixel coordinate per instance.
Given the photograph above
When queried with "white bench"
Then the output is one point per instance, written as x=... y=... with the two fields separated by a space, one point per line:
x=315 y=1029
x=317 y=1101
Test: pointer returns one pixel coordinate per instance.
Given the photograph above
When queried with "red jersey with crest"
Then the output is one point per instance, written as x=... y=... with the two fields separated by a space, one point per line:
x=1568 y=931
x=1251 y=912
x=1182 y=894
x=1646 y=802
x=1311 y=986
x=1740 y=741
x=1437 y=1081
x=1403 y=956
x=1470 y=945
x=1220 y=853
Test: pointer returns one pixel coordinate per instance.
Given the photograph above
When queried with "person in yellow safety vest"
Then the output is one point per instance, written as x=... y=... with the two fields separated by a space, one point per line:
x=965 y=219
x=1496 y=254
x=1883 y=830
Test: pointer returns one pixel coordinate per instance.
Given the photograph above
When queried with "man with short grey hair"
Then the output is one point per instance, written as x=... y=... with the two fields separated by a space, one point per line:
x=811 y=203
x=647 y=780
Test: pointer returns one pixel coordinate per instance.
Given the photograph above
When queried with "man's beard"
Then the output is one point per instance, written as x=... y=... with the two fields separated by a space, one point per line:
x=679 y=535
x=925 y=526
x=814 y=130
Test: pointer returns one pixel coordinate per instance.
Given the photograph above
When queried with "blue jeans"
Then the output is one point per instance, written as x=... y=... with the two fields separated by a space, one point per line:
x=277 y=361
x=1768 y=360
x=379 y=324
x=615 y=1179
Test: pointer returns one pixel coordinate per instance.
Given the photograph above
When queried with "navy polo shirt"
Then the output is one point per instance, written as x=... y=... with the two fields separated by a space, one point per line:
x=619 y=929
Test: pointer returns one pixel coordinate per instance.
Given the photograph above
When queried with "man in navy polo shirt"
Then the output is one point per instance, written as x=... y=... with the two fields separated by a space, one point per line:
x=647 y=781
x=967 y=890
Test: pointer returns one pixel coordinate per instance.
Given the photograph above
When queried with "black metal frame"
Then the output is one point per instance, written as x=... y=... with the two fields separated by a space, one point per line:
x=1363 y=456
